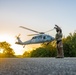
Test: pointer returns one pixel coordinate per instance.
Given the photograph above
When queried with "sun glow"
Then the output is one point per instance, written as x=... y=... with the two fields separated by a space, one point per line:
x=1 y=50
x=6 y=38
x=11 y=40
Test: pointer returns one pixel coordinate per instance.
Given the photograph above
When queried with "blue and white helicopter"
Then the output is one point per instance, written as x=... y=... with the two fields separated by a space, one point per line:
x=40 y=37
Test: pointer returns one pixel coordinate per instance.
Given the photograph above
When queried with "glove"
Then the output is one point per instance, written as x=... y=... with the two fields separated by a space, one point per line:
x=56 y=25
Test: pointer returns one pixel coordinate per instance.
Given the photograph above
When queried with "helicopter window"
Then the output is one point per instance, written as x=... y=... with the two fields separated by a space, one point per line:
x=40 y=36
x=34 y=38
x=48 y=36
x=44 y=37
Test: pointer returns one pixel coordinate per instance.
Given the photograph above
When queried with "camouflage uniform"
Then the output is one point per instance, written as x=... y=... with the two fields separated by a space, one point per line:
x=60 y=53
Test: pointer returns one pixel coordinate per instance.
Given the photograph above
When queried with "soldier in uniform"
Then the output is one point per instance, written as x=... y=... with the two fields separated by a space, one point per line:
x=58 y=37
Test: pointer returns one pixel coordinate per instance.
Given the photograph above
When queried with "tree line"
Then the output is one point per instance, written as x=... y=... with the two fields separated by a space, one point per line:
x=46 y=50
x=7 y=50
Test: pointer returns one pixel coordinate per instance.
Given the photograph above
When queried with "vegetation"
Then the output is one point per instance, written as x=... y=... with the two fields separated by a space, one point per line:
x=7 y=50
x=26 y=54
x=70 y=45
x=46 y=50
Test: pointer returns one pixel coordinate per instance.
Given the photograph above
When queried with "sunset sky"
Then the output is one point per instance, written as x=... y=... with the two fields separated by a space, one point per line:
x=40 y=15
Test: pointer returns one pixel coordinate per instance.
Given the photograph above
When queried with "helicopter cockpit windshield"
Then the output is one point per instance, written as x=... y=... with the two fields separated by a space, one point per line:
x=34 y=37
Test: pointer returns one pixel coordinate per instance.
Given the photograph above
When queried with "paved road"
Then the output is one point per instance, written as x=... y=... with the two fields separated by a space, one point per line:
x=37 y=66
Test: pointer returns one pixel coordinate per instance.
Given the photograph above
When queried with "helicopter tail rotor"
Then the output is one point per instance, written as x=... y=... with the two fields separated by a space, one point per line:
x=18 y=35
x=18 y=40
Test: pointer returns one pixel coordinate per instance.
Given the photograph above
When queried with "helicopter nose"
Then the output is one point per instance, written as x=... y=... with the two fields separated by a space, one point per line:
x=52 y=38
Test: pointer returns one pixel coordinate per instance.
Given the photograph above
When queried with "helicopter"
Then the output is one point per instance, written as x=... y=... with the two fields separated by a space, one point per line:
x=40 y=37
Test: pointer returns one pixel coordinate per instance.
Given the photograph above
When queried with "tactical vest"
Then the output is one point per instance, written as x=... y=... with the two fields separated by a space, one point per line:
x=58 y=36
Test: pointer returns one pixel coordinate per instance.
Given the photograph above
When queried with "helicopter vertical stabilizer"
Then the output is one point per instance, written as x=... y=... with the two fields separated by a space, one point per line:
x=19 y=41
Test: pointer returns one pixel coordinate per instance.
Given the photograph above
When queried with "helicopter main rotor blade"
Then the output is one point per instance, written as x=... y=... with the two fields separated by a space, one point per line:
x=29 y=29
x=49 y=30
x=32 y=34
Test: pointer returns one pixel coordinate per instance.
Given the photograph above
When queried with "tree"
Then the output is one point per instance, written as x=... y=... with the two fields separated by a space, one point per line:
x=52 y=47
x=69 y=44
x=40 y=52
x=7 y=50
x=26 y=54
x=44 y=51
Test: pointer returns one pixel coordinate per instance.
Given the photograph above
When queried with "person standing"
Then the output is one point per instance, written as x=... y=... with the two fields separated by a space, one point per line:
x=58 y=37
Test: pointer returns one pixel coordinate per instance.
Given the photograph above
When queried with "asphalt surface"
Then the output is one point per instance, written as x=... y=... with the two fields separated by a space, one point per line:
x=37 y=66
